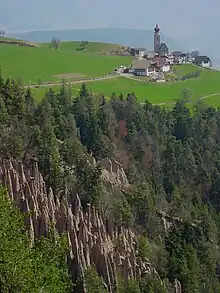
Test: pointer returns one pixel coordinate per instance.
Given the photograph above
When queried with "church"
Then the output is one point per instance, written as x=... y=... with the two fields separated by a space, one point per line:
x=159 y=48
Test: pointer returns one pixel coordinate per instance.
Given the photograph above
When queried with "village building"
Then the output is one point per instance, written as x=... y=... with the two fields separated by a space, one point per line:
x=149 y=54
x=170 y=59
x=159 y=48
x=183 y=58
x=142 y=52
x=163 y=49
x=179 y=57
x=143 y=67
x=176 y=57
x=156 y=39
x=161 y=63
x=203 y=61
x=139 y=52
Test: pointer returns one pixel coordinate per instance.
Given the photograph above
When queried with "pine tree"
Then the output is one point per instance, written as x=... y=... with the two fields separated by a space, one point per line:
x=93 y=282
x=103 y=116
x=3 y=112
x=25 y=269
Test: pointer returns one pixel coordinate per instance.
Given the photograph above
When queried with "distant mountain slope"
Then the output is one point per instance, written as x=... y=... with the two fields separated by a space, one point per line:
x=130 y=37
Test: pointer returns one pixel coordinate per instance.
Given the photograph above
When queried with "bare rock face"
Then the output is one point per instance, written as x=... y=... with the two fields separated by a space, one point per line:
x=176 y=287
x=169 y=221
x=92 y=240
x=113 y=173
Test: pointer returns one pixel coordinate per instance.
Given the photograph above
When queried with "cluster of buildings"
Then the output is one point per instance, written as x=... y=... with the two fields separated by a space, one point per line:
x=152 y=63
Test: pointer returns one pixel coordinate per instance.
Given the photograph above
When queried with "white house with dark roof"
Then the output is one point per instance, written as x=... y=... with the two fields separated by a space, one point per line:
x=140 y=52
x=203 y=61
x=143 y=67
x=179 y=57
x=170 y=59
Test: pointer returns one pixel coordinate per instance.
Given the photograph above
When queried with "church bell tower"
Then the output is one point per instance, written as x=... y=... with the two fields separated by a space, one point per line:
x=156 y=39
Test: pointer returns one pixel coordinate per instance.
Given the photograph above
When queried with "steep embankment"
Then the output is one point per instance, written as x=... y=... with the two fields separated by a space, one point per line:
x=92 y=240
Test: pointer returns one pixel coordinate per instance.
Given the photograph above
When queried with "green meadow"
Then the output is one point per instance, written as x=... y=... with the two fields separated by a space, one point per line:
x=44 y=64
x=93 y=47
x=212 y=101
x=184 y=69
x=206 y=84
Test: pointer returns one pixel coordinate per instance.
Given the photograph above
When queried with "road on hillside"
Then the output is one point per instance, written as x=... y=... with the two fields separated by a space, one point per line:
x=164 y=103
x=51 y=84
x=104 y=78
x=173 y=102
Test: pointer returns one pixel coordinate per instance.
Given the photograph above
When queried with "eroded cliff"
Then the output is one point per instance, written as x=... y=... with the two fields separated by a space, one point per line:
x=92 y=240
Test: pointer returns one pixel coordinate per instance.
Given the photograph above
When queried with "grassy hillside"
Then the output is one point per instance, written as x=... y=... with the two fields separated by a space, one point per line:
x=184 y=69
x=207 y=83
x=32 y=64
x=48 y=65
x=213 y=101
x=93 y=47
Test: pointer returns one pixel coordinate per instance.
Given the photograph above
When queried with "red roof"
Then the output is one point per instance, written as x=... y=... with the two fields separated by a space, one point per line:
x=160 y=61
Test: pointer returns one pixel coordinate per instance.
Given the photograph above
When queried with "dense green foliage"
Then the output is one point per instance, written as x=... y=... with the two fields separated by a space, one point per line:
x=171 y=159
x=41 y=268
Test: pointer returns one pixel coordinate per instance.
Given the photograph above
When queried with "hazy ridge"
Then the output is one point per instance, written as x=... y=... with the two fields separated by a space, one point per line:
x=129 y=37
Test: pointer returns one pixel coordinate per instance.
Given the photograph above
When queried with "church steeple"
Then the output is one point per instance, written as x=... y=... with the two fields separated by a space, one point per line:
x=156 y=38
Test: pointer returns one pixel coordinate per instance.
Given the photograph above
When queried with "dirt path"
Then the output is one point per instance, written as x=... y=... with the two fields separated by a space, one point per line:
x=133 y=78
x=173 y=102
x=51 y=84
x=212 y=95
x=105 y=78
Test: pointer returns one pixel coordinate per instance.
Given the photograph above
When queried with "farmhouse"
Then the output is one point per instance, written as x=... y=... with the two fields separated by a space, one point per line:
x=170 y=59
x=139 y=52
x=161 y=63
x=143 y=68
x=179 y=57
x=203 y=61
